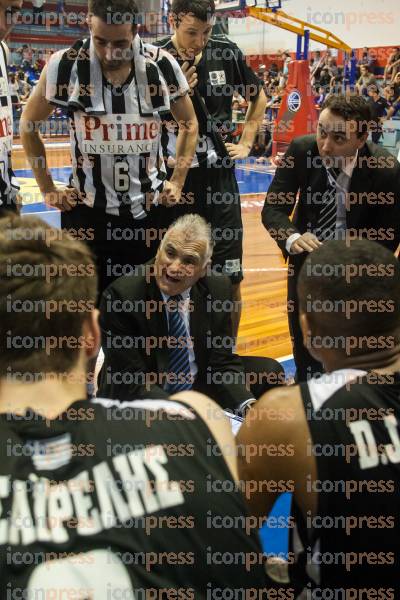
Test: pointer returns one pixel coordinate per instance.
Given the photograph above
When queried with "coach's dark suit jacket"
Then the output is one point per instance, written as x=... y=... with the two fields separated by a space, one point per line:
x=298 y=175
x=210 y=328
x=374 y=193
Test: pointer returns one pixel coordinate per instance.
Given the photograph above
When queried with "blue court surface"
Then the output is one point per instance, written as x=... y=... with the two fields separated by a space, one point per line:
x=50 y=215
x=252 y=179
x=275 y=533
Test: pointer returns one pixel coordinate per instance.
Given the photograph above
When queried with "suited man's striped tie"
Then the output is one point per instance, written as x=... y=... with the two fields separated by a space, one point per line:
x=179 y=365
x=326 y=223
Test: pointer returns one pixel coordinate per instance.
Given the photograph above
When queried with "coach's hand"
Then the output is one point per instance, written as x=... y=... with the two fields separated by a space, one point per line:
x=171 y=193
x=191 y=75
x=237 y=151
x=63 y=198
x=305 y=243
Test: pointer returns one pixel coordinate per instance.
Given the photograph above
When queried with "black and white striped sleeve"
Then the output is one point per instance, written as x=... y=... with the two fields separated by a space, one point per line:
x=173 y=75
x=59 y=77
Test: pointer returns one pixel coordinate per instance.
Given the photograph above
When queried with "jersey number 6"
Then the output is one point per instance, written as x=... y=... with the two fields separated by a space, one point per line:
x=121 y=176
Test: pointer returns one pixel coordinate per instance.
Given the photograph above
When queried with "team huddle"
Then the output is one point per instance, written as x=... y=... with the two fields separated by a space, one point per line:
x=152 y=478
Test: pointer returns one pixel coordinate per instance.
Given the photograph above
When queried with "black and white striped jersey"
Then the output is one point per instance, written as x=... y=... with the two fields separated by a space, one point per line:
x=8 y=184
x=115 y=144
x=221 y=71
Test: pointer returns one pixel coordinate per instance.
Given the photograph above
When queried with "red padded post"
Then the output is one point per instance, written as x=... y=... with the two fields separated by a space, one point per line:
x=297 y=114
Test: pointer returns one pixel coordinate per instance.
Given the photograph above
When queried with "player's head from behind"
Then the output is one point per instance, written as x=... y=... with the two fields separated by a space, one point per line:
x=349 y=299
x=184 y=254
x=9 y=11
x=48 y=283
x=192 y=22
x=113 y=26
x=342 y=127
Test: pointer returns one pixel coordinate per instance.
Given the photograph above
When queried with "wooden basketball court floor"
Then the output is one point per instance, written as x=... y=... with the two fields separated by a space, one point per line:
x=263 y=328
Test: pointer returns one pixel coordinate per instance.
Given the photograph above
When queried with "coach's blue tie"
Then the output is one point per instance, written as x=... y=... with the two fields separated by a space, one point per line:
x=326 y=224
x=179 y=365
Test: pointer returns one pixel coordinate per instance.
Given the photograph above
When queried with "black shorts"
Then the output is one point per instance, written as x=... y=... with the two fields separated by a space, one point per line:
x=212 y=192
x=119 y=243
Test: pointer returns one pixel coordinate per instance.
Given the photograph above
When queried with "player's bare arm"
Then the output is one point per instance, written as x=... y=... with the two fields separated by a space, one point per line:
x=183 y=112
x=36 y=111
x=272 y=452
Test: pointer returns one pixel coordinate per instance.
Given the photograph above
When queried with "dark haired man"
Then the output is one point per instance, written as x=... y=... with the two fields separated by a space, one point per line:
x=100 y=500
x=114 y=88
x=338 y=434
x=215 y=68
x=379 y=106
x=368 y=59
x=365 y=80
x=9 y=186
x=347 y=188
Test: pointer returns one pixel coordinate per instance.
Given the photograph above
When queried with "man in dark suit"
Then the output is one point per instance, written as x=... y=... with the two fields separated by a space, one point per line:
x=168 y=327
x=347 y=188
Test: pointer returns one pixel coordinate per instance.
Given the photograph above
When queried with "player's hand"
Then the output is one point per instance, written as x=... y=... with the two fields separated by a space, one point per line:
x=171 y=162
x=171 y=194
x=63 y=198
x=305 y=243
x=191 y=75
x=237 y=151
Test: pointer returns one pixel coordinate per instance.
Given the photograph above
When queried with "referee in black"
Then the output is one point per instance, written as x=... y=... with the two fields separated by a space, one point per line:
x=215 y=68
